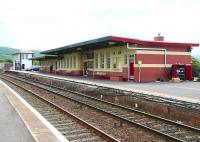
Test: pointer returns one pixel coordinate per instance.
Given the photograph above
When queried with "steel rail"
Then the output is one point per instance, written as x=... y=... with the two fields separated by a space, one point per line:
x=103 y=134
x=144 y=113
x=148 y=97
x=109 y=103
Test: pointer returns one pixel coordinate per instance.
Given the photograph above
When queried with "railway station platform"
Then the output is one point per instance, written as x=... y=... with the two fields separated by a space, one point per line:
x=186 y=91
x=19 y=122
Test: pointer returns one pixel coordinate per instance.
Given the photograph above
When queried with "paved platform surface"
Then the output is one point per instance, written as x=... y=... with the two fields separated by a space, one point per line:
x=187 y=90
x=12 y=128
x=19 y=122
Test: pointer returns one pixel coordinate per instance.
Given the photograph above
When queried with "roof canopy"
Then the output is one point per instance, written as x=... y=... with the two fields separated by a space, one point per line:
x=24 y=52
x=113 y=41
x=44 y=57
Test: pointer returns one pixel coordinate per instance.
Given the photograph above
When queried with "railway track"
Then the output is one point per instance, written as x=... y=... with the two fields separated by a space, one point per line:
x=72 y=127
x=166 y=128
x=148 y=97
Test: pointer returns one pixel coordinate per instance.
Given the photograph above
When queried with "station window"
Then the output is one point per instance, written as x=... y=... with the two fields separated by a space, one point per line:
x=125 y=59
x=116 y=62
x=74 y=61
x=90 y=65
x=71 y=62
x=67 y=62
x=131 y=56
x=119 y=52
x=102 y=60
x=64 y=63
x=24 y=56
x=108 y=60
x=60 y=63
x=96 y=60
x=57 y=64
x=115 y=66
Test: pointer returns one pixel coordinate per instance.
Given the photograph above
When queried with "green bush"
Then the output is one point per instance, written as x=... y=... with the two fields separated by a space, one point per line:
x=195 y=67
x=35 y=62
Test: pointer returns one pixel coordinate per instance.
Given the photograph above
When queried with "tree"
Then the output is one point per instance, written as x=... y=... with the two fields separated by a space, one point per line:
x=195 y=67
x=35 y=62
x=8 y=60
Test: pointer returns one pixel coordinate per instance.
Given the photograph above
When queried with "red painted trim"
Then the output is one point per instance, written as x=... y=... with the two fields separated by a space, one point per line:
x=159 y=59
x=152 y=43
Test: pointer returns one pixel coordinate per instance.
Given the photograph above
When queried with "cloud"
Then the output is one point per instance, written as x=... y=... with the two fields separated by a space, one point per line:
x=45 y=24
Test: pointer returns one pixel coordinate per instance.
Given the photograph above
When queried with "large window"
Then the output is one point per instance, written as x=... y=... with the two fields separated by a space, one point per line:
x=67 y=62
x=63 y=64
x=108 y=60
x=116 y=62
x=71 y=62
x=74 y=61
x=102 y=60
x=96 y=60
x=60 y=63
x=90 y=65
x=24 y=56
x=125 y=59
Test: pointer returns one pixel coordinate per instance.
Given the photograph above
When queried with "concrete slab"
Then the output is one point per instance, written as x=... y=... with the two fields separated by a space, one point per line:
x=187 y=91
x=14 y=128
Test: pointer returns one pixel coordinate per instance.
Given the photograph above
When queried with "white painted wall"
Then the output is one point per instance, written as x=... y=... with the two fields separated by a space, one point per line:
x=16 y=58
x=27 y=63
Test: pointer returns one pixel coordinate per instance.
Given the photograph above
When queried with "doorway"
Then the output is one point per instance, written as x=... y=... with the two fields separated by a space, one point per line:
x=51 y=69
x=131 y=71
x=23 y=66
x=131 y=67
x=85 y=70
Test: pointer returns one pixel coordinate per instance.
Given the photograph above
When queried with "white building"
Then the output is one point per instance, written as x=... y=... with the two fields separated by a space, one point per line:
x=21 y=60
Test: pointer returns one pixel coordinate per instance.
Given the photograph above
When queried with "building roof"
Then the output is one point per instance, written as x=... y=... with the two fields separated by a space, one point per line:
x=44 y=57
x=113 y=41
x=24 y=52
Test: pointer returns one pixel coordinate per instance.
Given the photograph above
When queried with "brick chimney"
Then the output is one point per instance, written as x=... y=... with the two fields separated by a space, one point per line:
x=159 y=38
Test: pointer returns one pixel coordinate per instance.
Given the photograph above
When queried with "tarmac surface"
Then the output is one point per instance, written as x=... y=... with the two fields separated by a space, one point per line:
x=186 y=90
x=12 y=128
x=19 y=122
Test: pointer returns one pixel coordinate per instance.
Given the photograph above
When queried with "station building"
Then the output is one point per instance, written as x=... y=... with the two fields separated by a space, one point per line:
x=21 y=60
x=117 y=58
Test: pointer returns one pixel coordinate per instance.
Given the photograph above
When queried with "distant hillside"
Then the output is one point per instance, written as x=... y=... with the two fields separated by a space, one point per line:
x=6 y=53
x=7 y=50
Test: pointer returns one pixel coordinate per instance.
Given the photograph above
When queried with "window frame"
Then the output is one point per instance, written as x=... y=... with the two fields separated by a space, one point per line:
x=102 y=61
x=96 y=60
x=108 y=60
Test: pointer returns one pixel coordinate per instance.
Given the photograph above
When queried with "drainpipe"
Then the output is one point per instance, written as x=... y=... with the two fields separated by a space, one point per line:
x=150 y=49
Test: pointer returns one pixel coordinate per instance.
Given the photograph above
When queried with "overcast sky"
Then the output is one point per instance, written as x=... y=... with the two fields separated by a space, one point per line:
x=46 y=24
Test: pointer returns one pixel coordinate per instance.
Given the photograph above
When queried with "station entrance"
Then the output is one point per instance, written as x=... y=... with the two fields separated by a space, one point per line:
x=131 y=68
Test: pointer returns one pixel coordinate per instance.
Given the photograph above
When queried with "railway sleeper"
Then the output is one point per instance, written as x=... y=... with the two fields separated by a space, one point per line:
x=49 y=116
x=58 y=122
x=76 y=131
x=91 y=139
x=79 y=136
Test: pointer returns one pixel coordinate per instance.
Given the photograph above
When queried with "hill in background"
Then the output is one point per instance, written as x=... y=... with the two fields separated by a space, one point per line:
x=6 y=53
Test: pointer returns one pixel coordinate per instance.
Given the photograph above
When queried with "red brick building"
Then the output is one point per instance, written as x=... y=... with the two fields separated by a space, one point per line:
x=118 y=58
